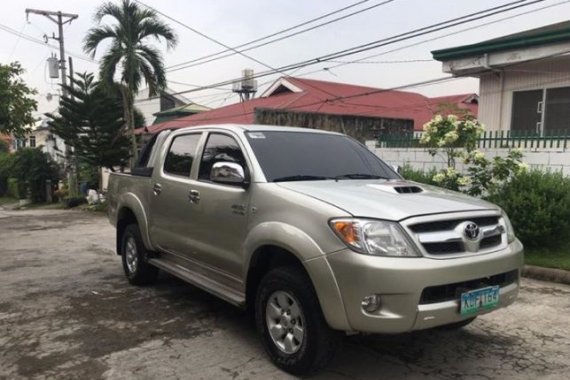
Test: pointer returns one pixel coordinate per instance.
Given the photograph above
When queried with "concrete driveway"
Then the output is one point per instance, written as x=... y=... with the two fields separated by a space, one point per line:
x=67 y=312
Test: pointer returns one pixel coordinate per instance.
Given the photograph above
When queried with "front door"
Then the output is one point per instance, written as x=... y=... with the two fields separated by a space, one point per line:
x=171 y=212
x=220 y=223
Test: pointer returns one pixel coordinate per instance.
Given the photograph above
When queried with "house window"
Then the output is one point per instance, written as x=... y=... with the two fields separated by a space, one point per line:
x=545 y=112
x=32 y=141
x=557 y=109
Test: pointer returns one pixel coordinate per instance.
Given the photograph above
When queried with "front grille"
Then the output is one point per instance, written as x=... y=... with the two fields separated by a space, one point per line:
x=448 y=237
x=443 y=248
x=442 y=293
x=450 y=224
x=490 y=242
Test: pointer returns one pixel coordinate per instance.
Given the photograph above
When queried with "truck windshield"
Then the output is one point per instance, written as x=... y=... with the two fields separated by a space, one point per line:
x=301 y=156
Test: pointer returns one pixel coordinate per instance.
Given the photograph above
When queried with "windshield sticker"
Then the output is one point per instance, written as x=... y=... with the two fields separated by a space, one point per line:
x=256 y=135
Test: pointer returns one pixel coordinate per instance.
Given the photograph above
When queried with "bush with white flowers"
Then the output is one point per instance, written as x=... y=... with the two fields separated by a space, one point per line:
x=456 y=138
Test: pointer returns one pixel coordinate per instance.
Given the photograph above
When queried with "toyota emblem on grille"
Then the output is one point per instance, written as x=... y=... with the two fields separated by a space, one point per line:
x=472 y=231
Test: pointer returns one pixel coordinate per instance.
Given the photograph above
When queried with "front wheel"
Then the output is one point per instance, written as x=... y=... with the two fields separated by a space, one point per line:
x=134 y=255
x=291 y=324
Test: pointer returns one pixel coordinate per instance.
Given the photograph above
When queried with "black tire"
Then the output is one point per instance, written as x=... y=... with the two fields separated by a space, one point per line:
x=141 y=273
x=457 y=325
x=319 y=343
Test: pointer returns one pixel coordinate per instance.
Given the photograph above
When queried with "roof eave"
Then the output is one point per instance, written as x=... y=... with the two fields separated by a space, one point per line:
x=501 y=45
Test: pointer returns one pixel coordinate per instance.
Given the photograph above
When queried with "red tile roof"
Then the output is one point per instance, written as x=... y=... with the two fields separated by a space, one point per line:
x=320 y=97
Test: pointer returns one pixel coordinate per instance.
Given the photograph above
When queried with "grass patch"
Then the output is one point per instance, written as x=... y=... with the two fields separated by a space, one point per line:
x=559 y=258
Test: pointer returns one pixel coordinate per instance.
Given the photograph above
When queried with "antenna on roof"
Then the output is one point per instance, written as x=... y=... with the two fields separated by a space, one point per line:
x=247 y=86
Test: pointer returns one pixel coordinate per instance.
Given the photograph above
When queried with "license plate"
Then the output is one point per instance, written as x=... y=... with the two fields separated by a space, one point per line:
x=478 y=300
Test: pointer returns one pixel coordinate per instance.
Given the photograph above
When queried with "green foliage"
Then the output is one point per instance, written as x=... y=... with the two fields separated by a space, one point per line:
x=129 y=50
x=91 y=121
x=486 y=176
x=4 y=148
x=12 y=188
x=457 y=138
x=538 y=204
x=411 y=174
x=5 y=165
x=32 y=168
x=16 y=105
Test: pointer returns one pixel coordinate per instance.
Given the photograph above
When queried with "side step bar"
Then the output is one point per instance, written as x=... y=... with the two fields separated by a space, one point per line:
x=200 y=281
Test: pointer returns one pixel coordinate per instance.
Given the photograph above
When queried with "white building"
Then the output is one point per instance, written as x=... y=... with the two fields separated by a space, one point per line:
x=41 y=136
x=524 y=79
x=168 y=99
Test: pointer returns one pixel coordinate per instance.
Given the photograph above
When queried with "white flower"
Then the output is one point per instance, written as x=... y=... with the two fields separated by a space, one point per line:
x=450 y=137
x=439 y=177
x=452 y=118
x=438 y=119
x=451 y=172
x=464 y=181
x=522 y=167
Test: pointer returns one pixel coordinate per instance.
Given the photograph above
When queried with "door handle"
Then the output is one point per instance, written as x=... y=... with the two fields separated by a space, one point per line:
x=157 y=189
x=194 y=196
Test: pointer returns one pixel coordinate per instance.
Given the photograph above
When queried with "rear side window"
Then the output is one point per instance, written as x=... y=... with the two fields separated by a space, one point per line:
x=181 y=155
x=219 y=148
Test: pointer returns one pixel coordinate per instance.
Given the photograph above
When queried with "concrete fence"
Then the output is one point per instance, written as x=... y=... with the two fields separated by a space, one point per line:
x=539 y=158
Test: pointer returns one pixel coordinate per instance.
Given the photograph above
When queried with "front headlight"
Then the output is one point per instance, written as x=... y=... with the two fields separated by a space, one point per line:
x=374 y=237
x=510 y=230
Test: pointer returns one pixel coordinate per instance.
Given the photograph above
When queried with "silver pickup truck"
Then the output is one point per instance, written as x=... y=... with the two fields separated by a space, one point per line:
x=313 y=234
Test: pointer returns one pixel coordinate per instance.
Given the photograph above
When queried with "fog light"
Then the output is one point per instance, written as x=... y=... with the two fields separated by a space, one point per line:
x=371 y=303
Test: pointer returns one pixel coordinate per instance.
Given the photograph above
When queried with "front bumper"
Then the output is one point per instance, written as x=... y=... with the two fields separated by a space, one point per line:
x=401 y=281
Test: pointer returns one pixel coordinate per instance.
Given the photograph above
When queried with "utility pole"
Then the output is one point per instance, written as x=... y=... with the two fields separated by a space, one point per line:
x=60 y=19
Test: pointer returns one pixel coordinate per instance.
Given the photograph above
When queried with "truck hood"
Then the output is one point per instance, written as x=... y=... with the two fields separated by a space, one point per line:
x=387 y=199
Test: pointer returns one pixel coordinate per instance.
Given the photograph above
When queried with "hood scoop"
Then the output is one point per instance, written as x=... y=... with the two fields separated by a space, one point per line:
x=399 y=189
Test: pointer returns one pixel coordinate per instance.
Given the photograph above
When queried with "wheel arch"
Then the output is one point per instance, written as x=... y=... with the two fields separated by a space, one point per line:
x=131 y=211
x=290 y=246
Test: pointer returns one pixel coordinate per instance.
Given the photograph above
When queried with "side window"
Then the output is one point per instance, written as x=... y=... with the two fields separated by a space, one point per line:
x=181 y=155
x=219 y=148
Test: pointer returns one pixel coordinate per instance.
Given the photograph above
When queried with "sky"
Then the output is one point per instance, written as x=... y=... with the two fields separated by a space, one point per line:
x=235 y=22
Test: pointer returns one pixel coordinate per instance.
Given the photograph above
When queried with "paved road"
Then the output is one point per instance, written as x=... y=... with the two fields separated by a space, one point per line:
x=66 y=312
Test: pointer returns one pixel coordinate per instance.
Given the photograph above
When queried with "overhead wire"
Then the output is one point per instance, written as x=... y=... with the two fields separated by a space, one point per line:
x=377 y=91
x=234 y=52
x=40 y=42
x=273 y=34
x=383 y=42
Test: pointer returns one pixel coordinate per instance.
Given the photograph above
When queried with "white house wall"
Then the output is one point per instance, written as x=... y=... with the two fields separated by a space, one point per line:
x=495 y=104
x=419 y=158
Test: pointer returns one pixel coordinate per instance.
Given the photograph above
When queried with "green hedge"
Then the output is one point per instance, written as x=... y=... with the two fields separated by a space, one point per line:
x=411 y=174
x=538 y=204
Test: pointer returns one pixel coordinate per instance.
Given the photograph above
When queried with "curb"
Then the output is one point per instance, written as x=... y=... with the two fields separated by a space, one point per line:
x=546 y=274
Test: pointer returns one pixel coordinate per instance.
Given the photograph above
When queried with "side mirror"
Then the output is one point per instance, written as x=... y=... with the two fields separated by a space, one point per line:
x=397 y=169
x=227 y=172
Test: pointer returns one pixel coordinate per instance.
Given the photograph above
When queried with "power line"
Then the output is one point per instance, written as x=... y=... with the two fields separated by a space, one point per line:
x=377 y=91
x=193 y=63
x=438 y=37
x=379 y=62
x=344 y=63
x=40 y=42
x=386 y=41
x=273 y=69
x=273 y=34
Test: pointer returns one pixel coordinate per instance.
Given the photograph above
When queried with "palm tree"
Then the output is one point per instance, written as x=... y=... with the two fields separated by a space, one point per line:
x=130 y=53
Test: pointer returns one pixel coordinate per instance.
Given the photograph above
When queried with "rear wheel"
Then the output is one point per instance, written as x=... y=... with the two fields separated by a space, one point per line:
x=291 y=324
x=134 y=256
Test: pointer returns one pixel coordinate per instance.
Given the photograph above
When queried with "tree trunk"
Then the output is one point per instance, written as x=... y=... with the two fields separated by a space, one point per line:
x=129 y=122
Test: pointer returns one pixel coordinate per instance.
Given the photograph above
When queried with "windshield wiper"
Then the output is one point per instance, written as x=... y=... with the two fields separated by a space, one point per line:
x=301 y=178
x=359 y=176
